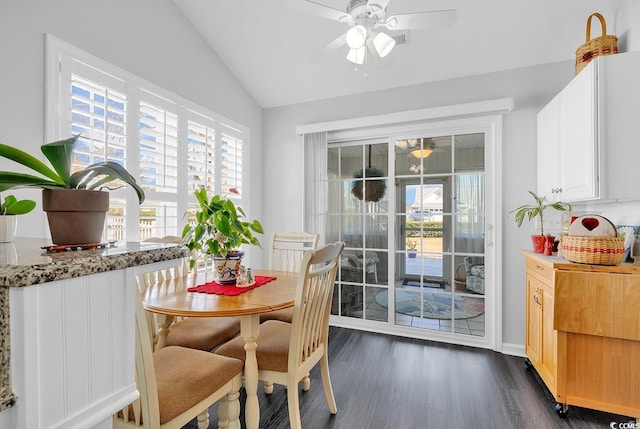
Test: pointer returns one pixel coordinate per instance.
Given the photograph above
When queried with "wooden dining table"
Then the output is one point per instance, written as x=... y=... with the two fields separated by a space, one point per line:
x=171 y=299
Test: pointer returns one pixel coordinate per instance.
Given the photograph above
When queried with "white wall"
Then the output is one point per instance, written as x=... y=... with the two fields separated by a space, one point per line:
x=531 y=89
x=150 y=38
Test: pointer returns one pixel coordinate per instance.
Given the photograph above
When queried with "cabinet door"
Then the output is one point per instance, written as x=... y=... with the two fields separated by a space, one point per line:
x=548 y=357
x=548 y=167
x=533 y=340
x=578 y=138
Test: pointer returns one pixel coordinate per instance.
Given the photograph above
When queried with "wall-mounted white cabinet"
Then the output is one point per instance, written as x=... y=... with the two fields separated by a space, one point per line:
x=588 y=147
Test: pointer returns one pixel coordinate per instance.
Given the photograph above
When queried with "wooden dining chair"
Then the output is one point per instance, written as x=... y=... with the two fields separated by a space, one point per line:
x=286 y=352
x=202 y=333
x=287 y=251
x=178 y=384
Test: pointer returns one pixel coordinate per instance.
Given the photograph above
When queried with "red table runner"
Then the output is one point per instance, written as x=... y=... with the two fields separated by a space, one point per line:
x=220 y=289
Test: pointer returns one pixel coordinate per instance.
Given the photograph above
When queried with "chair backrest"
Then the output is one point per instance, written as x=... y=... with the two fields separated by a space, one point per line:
x=310 y=323
x=150 y=278
x=287 y=249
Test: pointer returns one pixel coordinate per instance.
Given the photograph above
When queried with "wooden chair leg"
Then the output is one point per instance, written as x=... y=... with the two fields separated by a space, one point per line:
x=232 y=409
x=326 y=383
x=306 y=383
x=268 y=387
x=294 y=407
x=203 y=420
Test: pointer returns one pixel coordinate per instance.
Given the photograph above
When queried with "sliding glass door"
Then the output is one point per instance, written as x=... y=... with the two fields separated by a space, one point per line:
x=411 y=211
x=440 y=233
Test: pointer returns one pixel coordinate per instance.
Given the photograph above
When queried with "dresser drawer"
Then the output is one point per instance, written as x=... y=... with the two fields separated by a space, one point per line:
x=539 y=268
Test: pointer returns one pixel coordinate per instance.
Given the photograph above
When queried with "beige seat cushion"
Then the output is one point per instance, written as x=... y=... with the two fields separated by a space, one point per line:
x=284 y=315
x=273 y=346
x=203 y=333
x=187 y=376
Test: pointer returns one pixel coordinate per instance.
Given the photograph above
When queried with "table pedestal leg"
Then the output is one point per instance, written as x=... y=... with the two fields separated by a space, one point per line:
x=163 y=330
x=249 y=326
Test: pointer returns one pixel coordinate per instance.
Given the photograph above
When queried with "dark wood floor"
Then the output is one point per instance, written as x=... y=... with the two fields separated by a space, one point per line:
x=386 y=382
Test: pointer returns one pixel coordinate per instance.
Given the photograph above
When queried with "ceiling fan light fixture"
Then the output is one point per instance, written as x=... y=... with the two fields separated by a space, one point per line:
x=356 y=56
x=356 y=36
x=383 y=44
x=421 y=153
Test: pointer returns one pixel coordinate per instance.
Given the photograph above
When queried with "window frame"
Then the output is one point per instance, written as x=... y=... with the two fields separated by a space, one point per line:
x=60 y=60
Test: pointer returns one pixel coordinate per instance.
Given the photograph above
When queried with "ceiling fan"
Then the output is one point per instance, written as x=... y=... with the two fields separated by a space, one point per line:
x=367 y=19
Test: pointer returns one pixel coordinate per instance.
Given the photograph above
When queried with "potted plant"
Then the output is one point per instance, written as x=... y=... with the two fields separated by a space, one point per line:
x=412 y=250
x=218 y=229
x=75 y=203
x=9 y=209
x=531 y=211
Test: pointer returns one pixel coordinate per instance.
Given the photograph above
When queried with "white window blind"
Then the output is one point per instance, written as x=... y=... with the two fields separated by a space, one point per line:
x=171 y=145
x=201 y=151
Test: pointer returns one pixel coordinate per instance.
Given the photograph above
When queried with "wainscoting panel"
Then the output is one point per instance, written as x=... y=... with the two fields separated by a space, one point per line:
x=73 y=350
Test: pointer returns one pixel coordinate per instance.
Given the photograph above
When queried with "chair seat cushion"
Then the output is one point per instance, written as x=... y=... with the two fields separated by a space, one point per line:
x=187 y=376
x=477 y=271
x=273 y=346
x=203 y=333
x=284 y=315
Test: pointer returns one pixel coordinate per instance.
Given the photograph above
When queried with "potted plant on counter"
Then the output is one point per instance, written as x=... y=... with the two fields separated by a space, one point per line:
x=75 y=203
x=9 y=209
x=537 y=209
x=218 y=229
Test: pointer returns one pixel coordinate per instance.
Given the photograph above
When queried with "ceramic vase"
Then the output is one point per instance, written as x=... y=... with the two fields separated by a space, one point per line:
x=227 y=268
x=8 y=225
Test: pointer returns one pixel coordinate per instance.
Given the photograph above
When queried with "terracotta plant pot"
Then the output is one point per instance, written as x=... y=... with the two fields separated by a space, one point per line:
x=227 y=268
x=76 y=216
x=538 y=243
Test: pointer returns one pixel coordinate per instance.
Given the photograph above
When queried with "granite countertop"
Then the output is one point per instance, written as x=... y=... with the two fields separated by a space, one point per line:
x=24 y=262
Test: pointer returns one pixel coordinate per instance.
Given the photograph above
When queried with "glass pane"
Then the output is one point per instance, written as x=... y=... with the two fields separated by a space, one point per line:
x=376 y=231
x=333 y=163
x=351 y=303
x=376 y=304
x=335 y=193
x=436 y=153
x=351 y=161
x=470 y=213
x=405 y=163
x=352 y=230
x=469 y=152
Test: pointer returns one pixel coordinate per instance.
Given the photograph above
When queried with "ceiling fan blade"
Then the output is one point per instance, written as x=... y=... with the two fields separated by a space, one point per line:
x=331 y=46
x=430 y=19
x=313 y=8
x=377 y=5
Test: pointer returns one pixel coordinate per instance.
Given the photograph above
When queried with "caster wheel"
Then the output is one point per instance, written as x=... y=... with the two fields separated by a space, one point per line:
x=562 y=409
x=528 y=364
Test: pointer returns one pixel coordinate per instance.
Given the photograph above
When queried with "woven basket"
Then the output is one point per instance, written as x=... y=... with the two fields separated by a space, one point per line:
x=593 y=250
x=603 y=45
x=460 y=282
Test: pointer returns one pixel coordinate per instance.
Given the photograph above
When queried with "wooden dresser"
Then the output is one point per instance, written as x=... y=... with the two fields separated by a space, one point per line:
x=583 y=332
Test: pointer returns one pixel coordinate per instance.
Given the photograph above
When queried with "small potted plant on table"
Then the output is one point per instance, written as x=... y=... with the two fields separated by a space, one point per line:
x=218 y=229
x=537 y=209
x=9 y=209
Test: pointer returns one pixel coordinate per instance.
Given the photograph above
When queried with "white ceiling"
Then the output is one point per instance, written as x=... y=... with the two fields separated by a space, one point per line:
x=272 y=48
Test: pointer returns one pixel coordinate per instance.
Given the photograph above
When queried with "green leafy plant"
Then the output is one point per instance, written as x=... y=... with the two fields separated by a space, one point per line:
x=531 y=211
x=12 y=206
x=218 y=227
x=61 y=176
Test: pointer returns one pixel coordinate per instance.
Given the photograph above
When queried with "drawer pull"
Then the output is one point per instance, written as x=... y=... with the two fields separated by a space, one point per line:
x=538 y=267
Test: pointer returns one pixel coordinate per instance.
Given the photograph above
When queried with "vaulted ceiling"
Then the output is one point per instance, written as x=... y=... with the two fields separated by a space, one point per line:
x=276 y=51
